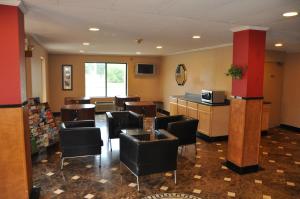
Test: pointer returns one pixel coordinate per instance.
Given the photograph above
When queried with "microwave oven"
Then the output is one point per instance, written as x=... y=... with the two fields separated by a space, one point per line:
x=213 y=96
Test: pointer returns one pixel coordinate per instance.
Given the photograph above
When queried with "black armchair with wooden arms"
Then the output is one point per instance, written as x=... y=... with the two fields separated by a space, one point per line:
x=144 y=155
x=78 y=139
x=183 y=127
x=118 y=120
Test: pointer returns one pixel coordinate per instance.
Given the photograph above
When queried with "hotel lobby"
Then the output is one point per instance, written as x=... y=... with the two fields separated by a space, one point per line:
x=153 y=99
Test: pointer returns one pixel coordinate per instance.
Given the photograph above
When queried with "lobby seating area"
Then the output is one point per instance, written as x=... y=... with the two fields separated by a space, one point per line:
x=163 y=99
x=205 y=176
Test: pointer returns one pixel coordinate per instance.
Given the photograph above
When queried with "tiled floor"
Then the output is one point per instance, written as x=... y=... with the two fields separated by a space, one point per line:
x=202 y=175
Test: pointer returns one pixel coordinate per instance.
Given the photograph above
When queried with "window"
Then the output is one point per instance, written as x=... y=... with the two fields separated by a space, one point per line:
x=105 y=79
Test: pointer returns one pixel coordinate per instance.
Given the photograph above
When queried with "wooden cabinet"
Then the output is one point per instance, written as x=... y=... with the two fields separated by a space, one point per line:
x=182 y=107
x=173 y=106
x=265 y=117
x=192 y=109
x=219 y=121
x=204 y=122
x=213 y=120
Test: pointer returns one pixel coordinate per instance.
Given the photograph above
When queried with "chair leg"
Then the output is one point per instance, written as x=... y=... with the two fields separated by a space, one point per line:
x=62 y=163
x=195 y=149
x=175 y=176
x=100 y=161
x=138 y=183
x=110 y=145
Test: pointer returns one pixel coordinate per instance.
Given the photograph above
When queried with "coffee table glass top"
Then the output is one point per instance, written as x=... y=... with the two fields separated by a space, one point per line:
x=133 y=132
x=143 y=135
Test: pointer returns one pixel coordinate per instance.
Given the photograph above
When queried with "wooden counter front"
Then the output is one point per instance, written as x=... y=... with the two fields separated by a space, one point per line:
x=78 y=112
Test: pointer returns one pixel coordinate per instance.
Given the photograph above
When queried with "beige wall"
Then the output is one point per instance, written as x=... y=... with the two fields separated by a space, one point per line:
x=273 y=81
x=206 y=70
x=291 y=91
x=145 y=87
x=34 y=71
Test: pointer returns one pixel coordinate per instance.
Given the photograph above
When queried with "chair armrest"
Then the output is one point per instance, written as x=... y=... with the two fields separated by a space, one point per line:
x=162 y=122
x=136 y=120
x=79 y=123
x=109 y=122
x=128 y=149
x=185 y=130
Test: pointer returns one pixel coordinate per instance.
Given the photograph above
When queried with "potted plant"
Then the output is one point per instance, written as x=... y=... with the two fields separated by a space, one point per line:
x=236 y=72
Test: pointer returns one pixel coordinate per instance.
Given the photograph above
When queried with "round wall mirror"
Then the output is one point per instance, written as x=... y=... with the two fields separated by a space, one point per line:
x=180 y=74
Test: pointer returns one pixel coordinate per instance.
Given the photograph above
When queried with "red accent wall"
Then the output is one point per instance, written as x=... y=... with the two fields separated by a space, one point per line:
x=249 y=52
x=11 y=54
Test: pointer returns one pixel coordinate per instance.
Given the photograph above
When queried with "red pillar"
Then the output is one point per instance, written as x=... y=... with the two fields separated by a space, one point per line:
x=249 y=52
x=246 y=107
x=15 y=163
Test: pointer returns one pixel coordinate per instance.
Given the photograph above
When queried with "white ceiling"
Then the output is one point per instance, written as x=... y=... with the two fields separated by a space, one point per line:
x=62 y=25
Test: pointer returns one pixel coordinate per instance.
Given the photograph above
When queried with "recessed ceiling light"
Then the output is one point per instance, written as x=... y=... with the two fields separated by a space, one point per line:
x=86 y=43
x=278 y=45
x=290 y=14
x=138 y=53
x=159 y=47
x=196 y=37
x=81 y=51
x=94 y=29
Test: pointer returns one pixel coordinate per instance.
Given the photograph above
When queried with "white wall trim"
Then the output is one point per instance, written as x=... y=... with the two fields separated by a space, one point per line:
x=200 y=49
x=241 y=28
x=11 y=2
x=18 y=3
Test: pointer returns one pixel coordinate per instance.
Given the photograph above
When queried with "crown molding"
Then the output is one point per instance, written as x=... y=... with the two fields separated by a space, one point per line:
x=241 y=28
x=200 y=49
x=18 y=3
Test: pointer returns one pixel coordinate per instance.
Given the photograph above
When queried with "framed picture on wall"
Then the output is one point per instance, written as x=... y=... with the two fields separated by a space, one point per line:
x=67 y=77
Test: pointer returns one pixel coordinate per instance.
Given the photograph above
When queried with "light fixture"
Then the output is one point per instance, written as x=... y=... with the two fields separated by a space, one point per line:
x=290 y=14
x=138 y=53
x=158 y=47
x=81 y=51
x=94 y=29
x=278 y=45
x=86 y=43
x=196 y=37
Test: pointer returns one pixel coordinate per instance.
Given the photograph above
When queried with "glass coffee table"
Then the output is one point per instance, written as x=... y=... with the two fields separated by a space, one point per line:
x=144 y=135
x=140 y=134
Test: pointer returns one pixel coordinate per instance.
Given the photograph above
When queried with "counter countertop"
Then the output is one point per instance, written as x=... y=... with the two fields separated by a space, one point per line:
x=199 y=101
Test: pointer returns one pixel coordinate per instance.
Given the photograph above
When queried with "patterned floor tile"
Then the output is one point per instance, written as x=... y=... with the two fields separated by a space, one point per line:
x=197 y=191
x=231 y=194
x=258 y=181
x=164 y=188
x=58 y=191
x=89 y=196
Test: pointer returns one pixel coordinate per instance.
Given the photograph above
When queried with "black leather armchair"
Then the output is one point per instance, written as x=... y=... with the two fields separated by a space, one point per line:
x=144 y=156
x=79 y=138
x=183 y=127
x=118 y=120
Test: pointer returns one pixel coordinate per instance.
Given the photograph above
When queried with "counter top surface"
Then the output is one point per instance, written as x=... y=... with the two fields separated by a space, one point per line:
x=199 y=101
